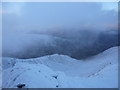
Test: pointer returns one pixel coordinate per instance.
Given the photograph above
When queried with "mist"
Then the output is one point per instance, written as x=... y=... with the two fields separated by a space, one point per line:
x=80 y=46
x=79 y=30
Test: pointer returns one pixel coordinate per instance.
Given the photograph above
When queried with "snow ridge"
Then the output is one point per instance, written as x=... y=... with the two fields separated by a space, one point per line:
x=61 y=71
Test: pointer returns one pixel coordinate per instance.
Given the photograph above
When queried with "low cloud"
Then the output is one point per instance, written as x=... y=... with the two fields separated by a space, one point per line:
x=79 y=30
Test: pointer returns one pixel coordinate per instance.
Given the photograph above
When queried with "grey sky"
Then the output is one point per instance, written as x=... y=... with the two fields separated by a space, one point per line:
x=21 y=16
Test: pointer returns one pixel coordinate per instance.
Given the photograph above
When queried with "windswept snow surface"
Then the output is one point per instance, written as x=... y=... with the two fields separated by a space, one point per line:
x=0 y=73
x=60 y=71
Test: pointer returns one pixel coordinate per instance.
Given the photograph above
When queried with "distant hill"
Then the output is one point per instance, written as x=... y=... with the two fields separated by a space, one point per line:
x=79 y=45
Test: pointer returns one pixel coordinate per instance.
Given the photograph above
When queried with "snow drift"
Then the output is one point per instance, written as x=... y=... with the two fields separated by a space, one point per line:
x=61 y=71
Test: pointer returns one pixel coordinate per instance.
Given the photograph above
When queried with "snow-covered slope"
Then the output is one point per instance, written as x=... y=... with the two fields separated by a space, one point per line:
x=61 y=71
x=0 y=73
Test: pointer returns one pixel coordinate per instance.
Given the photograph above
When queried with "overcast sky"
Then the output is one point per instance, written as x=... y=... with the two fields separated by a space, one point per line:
x=21 y=16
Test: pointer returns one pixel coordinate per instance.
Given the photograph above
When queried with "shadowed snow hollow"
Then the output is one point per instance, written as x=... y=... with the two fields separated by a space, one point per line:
x=60 y=71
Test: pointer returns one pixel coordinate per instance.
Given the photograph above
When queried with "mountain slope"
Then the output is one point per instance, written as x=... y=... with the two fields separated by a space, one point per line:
x=60 y=71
